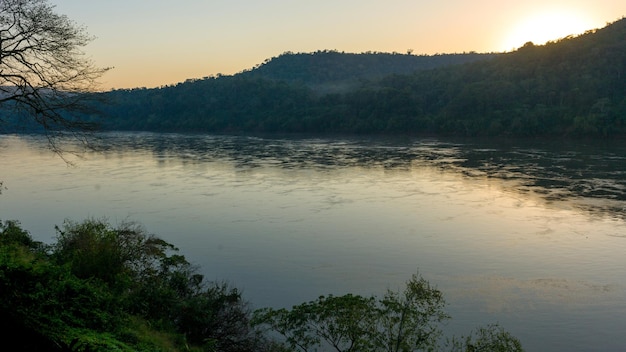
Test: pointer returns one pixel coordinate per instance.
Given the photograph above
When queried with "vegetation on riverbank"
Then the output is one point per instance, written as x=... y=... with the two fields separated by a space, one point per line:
x=104 y=288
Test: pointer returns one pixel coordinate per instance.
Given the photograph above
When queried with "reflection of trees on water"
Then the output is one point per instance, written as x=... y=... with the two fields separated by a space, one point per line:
x=589 y=176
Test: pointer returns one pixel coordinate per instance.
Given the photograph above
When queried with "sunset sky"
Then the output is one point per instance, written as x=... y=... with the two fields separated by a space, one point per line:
x=153 y=42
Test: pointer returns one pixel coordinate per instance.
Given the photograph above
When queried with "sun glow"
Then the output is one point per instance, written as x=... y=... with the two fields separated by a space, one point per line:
x=544 y=27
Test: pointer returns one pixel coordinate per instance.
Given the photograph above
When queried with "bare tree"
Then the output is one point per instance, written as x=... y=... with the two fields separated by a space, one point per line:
x=44 y=74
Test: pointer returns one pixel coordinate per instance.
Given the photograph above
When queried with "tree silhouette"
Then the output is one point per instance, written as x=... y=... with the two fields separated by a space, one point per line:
x=44 y=74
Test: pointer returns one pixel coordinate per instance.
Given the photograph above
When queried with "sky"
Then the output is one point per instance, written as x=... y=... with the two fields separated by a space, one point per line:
x=152 y=43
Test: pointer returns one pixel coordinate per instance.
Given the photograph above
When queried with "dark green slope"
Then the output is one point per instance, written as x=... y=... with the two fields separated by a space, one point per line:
x=330 y=71
x=273 y=97
x=571 y=87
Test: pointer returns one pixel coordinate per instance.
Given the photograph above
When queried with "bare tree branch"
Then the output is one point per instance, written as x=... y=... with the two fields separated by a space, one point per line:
x=45 y=77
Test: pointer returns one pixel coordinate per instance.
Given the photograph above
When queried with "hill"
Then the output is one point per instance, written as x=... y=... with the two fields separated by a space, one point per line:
x=332 y=71
x=575 y=86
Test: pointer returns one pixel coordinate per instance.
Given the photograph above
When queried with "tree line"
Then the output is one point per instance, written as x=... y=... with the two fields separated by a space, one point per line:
x=328 y=71
x=571 y=87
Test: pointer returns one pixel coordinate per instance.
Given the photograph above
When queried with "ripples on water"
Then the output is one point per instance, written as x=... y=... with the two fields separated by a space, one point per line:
x=530 y=234
x=589 y=176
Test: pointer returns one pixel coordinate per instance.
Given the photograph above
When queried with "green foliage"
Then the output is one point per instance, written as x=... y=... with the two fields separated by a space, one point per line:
x=44 y=300
x=491 y=338
x=106 y=288
x=342 y=322
x=96 y=250
x=103 y=288
x=12 y=233
x=219 y=319
x=409 y=320
x=399 y=321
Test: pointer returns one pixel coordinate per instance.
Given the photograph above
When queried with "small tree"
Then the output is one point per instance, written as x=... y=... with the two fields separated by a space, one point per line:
x=400 y=321
x=342 y=322
x=410 y=320
x=44 y=74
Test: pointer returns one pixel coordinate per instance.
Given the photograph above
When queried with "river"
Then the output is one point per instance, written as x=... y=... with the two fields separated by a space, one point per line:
x=527 y=234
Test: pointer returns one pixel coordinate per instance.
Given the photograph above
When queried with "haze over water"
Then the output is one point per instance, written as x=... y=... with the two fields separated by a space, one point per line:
x=530 y=237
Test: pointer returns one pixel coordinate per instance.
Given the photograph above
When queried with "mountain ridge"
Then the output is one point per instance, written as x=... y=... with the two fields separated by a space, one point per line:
x=571 y=87
x=327 y=68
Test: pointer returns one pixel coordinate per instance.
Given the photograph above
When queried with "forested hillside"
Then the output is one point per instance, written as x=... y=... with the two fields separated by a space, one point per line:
x=575 y=86
x=331 y=71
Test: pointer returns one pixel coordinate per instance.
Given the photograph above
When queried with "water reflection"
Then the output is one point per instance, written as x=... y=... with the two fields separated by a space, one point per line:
x=589 y=176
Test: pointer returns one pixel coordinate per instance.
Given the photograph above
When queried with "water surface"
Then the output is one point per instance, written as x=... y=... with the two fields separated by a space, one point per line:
x=530 y=235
